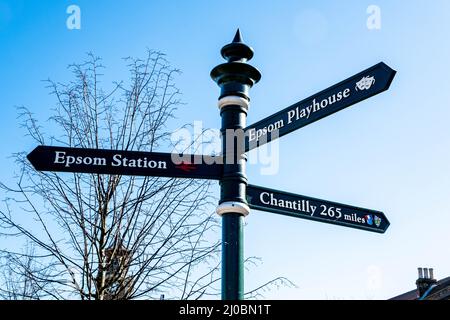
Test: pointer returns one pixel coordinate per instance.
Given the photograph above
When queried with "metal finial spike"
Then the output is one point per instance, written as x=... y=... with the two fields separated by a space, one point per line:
x=237 y=50
x=237 y=37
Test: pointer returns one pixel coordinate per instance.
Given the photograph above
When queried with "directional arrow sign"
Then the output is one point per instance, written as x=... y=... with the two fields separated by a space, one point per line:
x=299 y=206
x=342 y=95
x=99 y=161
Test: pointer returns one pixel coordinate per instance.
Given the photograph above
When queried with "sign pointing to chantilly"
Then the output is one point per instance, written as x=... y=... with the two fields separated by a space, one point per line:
x=299 y=206
x=101 y=161
x=340 y=96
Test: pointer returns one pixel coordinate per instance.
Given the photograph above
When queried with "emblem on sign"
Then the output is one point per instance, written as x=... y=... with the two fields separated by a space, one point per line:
x=365 y=83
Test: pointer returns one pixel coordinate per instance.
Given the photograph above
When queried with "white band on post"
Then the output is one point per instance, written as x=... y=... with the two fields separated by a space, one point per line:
x=234 y=100
x=233 y=207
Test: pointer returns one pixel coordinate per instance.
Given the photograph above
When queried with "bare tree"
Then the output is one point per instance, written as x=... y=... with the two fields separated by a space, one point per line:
x=109 y=236
x=18 y=273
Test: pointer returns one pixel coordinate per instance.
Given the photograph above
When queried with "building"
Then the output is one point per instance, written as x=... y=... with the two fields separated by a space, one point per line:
x=428 y=288
x=119 y=285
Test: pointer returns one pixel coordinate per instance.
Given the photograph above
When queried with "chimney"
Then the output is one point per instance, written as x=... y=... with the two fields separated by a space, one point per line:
x=425 y=280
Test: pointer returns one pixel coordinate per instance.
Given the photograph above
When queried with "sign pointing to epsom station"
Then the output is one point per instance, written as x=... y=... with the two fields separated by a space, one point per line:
x=299 y=206
x=101 y=161
x=340 y=96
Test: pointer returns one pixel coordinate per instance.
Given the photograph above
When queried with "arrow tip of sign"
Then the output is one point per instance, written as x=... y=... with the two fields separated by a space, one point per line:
x=32 y=156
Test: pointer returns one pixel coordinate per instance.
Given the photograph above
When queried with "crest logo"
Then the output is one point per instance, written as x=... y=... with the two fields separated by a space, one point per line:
x=369 y=219
x=365 y=83
x=377 y=221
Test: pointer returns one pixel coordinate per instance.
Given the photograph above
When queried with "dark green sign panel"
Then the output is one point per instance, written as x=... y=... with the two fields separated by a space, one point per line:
x=136 y=163
x=299 y=206
x=340 y=96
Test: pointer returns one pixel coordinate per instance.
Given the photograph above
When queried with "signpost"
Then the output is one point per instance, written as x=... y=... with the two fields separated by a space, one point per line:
x=101 y=161
x=299 y=206
x=340 y=96
x=235 y=78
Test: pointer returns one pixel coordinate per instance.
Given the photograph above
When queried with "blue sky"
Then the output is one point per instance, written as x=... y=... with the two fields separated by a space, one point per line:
x=390 y=153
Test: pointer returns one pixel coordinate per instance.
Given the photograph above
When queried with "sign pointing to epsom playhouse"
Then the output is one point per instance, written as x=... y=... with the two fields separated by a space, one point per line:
x=136 y=163
x=299 y=206
x=342 y=95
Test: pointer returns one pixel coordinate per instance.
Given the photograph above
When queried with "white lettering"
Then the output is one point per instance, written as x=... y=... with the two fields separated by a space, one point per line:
x=291 y=114
x=261 y=197
x=270 y=199
x=68 y=161
x=59 y=157
x=316 y=106
x=309 y=109
x=252 y=134
x=298 y=113
x=258 y=134
x=302 y=113
x=190 y=310
x=162 y=165
x=117 y=160
x=346 y=93
x=87 y=161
